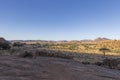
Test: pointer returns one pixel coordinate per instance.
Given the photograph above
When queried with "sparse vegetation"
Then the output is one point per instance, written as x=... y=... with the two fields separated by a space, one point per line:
x=83 y=47
x=86 y=53
x=46 y=53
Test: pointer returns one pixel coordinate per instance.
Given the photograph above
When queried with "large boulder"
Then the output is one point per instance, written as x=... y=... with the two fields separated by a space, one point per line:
x=2 y=40
x=4 y=44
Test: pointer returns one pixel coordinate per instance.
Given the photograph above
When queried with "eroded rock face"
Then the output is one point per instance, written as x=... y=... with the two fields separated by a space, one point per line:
x=2 y=40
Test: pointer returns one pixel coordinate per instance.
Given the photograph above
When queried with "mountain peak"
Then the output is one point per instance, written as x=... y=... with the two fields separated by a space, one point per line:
x=101 y=39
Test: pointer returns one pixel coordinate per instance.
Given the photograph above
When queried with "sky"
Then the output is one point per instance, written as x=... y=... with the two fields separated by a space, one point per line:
x=59 y=19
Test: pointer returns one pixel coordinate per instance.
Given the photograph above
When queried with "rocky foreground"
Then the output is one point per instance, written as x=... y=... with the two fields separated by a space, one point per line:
x=48 y=68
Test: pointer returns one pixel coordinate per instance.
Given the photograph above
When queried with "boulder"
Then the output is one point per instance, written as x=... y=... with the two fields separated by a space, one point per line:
x=4 y=45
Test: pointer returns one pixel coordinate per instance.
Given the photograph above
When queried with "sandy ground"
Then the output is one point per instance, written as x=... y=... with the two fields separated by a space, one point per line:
x=48 y=68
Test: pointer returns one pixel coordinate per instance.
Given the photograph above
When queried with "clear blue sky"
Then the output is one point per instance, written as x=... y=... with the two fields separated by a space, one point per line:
x=59 y=19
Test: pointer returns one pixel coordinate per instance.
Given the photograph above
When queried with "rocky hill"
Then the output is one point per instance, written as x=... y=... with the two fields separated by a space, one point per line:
x=101 y=39
x=2 y=40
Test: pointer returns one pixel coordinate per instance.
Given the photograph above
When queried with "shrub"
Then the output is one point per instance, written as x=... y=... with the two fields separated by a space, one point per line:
x=50 y=53
x=26 y=54
x=4 y=46
x=110 y=63
x=45 y=53
x=18 y=44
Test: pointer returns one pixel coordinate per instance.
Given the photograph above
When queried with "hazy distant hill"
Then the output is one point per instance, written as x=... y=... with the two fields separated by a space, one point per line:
x=101 y=39
x=95 y=40
x=84 y=41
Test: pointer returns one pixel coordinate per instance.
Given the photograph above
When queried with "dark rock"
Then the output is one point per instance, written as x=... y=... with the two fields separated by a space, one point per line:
x=85 y=63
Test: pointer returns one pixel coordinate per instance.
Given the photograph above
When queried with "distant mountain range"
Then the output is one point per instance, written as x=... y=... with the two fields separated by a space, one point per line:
x=85 y=40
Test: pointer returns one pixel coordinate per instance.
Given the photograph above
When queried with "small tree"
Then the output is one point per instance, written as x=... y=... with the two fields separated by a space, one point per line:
x=104 y=50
